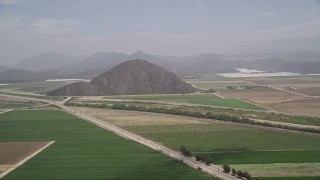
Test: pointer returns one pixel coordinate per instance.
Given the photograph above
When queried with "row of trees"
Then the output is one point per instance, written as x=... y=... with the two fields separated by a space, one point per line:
x=187 y=153
x=179 y=111
x=239 y=173
x=208 y=160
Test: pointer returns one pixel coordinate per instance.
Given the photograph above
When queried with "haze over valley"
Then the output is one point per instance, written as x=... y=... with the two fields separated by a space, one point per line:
x=160 y=90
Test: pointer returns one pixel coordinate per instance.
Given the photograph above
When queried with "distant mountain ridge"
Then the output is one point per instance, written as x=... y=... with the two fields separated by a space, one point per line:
x=292 y=61
x=47 y=61
x=129 y=78
x=18 y=75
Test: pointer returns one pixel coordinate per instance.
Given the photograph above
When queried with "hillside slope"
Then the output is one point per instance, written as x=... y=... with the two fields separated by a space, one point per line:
x=131 y=77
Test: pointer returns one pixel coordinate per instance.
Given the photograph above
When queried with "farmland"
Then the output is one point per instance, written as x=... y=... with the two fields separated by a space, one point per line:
x=220 y=85
x=282 y=169
x=200 y=99
x=268 y=92
x=14 y=103
x=224 y=142
x=84 y=151
x=11 y=153
x=39 y=87
x=30 y=95
x=243 y=146
x=264 y=115
x=17 y=105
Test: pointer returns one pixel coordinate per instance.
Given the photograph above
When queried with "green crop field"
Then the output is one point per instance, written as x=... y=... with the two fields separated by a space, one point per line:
x=36 y=86
x=201 y=99
x=290 y=178
x=265 y=157
x=241 y=146
x=220 y=137
x=84 y=151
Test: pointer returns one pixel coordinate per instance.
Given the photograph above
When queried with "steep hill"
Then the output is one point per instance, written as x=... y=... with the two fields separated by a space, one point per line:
x=131 y=77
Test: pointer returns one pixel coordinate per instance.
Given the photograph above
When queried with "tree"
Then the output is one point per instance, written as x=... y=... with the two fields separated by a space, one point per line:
x=188 y=153
x=208 y=160
x=239 y=173
x=234 y=171
x=198 y=158
x=247 y=175
x=185 y=151
x=182 y=149
x=226 y=168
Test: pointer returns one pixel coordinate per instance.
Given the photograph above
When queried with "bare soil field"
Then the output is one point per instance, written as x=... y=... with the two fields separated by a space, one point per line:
x=307 y=106
x=311 y=91
x=132 y=118
x=4 y=168
x=13 y=152
x=279 y=100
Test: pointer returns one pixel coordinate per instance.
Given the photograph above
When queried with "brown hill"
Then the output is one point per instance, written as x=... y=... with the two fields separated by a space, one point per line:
x=131 y=77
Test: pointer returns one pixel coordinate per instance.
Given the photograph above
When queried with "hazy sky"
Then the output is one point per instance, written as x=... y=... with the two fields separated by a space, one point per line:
x=170 y=27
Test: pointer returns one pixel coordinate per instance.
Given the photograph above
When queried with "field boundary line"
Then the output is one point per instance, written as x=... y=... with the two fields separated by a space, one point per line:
x=219 y=95
x=276 y=150
x=25 y=160
x=254 y=104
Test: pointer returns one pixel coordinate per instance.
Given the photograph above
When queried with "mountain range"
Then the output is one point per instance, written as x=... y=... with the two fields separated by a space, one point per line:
x=48 y=61
x=88 y=67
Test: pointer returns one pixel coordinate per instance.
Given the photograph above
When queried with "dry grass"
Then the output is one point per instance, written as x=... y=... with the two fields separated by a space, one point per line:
x=311 y=91
x=132 y=118
x=279 y=100
x=307 y=106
